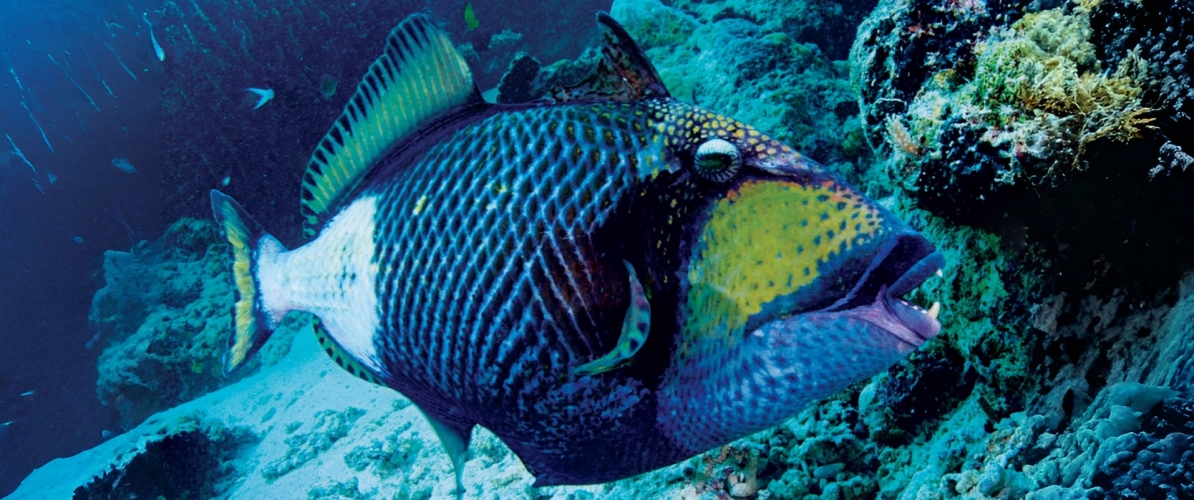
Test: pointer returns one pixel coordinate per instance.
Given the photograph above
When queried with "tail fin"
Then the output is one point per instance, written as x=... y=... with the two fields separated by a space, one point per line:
x=251 y=325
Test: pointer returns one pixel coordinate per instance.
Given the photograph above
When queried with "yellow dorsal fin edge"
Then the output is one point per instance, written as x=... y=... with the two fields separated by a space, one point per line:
x=418 y=78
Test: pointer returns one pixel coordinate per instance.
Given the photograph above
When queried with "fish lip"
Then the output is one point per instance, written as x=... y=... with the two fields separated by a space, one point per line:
x=888 y=311
x=912 y=323
x=881 y=273
x=924 y=268
x=908 y=323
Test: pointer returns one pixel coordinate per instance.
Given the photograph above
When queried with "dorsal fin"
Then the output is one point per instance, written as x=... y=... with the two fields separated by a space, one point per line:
x=418 y=78
x=623 y=74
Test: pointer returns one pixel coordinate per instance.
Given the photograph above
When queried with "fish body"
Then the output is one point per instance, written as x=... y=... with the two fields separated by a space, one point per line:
x=610 y=280
x=38 y=125
x=17 y=153
x=470 y=18
x=327 y=85
x=13 y=71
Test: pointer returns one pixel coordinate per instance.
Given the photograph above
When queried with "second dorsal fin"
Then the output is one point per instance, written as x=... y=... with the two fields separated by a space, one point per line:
x=623 y=74
x=419 y=77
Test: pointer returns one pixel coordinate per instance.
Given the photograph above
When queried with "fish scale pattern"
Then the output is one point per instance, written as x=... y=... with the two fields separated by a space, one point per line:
x=490 y=286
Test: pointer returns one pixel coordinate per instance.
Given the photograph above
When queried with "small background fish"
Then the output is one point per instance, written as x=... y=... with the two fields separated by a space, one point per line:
x=124 y=165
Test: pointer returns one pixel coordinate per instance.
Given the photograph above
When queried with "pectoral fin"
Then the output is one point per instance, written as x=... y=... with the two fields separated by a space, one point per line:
x=635 y=329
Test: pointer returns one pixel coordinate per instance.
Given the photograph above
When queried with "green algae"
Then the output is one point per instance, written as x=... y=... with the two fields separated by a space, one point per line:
x=1043 y=93
x=1044 y=64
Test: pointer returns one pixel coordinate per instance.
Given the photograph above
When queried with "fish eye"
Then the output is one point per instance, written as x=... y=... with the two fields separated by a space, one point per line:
x=717 y=160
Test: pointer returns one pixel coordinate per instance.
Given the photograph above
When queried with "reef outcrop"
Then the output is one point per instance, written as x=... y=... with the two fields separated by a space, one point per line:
x=162 y=321
x=1047 y=122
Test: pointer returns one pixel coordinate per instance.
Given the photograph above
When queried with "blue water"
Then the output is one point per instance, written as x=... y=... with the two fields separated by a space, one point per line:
x=56 y=222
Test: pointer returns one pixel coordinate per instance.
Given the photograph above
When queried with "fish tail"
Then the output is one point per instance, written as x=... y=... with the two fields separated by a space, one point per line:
x=252 y=321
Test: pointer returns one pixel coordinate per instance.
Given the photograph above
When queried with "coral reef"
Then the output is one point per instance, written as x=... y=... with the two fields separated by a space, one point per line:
x=999 y=114
x=1158 y=32
x=1033 y=92
x=163 y=319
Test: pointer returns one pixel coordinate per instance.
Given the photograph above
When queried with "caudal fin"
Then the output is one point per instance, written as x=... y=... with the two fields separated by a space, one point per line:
x=250 y=321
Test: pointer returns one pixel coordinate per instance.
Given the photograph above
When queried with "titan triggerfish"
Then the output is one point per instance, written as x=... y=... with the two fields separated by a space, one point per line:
x=608 y=279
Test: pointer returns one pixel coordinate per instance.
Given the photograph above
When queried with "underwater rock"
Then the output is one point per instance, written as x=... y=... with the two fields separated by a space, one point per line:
x=1102 y=455
x=829 y=24
x=1159 y=463
x=518 y=82
x=818 y=452
x=1124 y=434
x=180 y=465
x=916 y=392
x=1007 y=114
x=162 y=318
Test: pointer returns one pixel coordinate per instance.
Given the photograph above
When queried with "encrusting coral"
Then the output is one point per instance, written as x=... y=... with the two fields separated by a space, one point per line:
x=1034 y=91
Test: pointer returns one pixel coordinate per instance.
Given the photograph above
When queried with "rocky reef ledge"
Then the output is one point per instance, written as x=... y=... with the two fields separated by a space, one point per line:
x=302 y=428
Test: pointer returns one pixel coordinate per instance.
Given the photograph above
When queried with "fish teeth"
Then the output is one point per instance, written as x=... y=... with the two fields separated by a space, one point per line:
x=934 y=310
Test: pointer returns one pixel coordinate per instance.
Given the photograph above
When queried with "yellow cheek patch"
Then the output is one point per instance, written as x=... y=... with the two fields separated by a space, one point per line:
x=766 y=240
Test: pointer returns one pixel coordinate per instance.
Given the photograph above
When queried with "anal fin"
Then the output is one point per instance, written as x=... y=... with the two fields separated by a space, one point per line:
x=454 y=437
x=635 y=328
x=341 y=357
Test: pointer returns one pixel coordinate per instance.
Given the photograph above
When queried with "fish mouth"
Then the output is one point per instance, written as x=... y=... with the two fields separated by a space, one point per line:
x=878 y=298
x=911 y=323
